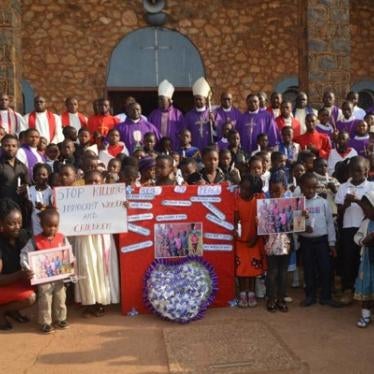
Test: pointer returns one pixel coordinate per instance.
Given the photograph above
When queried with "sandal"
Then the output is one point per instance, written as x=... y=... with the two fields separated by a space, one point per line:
x=363 y=322
x=18 y=317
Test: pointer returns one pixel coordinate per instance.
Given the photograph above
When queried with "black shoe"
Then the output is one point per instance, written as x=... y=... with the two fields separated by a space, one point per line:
x=271 y=306
x=62 y=324
x=6 y=326
x=47 y=329
x=18 y=317
x=332 y=303
x=307 y=302
x=282 y=306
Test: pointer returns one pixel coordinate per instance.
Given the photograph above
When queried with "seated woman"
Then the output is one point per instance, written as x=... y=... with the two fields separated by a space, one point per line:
x=15 y=290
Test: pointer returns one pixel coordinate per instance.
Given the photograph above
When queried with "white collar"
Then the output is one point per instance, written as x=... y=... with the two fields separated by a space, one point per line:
x=227 y=109
x=224 y=140
x=328 y=127
x=349 y=182
x=350 y=119
x=136 y=120
x=364 y=137
x=203 y=109
x=255 y=112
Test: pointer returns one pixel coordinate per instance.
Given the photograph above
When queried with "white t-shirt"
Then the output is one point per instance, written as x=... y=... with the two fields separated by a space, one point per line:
x=43 y=197
x=358 y=113
x=16 y=122
x=335 y=157
x=353 y=215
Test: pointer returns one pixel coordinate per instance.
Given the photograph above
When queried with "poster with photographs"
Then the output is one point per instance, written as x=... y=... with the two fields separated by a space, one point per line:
x=178 y=239
x=51 y=265
x=283 y=215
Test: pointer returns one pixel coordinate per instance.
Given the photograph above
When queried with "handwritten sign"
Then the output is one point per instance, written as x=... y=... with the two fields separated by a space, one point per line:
x=91 y=210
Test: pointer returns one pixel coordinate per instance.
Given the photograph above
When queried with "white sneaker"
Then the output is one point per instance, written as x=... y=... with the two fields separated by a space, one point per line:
x=288 y=299
x=252 y=302
x=243 y=302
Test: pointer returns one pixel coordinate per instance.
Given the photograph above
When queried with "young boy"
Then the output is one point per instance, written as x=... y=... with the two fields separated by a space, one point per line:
x=287 y=120
x=312 y=140
x=324 y=126
x=84 y=139
x=67 y=150
x=237 y=154
x=149 y=143
x=51 y=296
x=186 y=150
x=317 y=245
x=360 y=140
x=287 y=146
x=52 y=154
x=307 y=159
x=164 y=171
x=70 y=132
x=225 y=163
x=341 y=152
x=348 y=200
x=262 y=144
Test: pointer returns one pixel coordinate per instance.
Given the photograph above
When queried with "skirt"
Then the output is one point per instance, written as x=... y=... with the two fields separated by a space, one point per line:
x=249 y=262
x=364 y=285
x=17 y=291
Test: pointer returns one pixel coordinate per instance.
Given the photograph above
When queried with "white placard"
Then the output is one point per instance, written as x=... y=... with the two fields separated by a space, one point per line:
x=135 y=196
x=227 y=225
x=205 y=199
x=209 y=190
x=139 y=229
x=140 y=205
x=180 y=189
x=218 y=247
x=152 y=190
x=91 y=210
x=171 y=217
x=176 y=203
x=214 y=236
x=137 y=246
x=140 y=217
x=215 y=210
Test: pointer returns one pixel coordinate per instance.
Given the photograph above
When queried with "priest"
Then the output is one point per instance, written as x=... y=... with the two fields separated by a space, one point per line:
x=47 y=123
x=167 y=118
x=10 y=121
x=135 y=127
x=71 y=117
x=226 y=113
x=200 y=120
x=302 y=108
x=255 y=122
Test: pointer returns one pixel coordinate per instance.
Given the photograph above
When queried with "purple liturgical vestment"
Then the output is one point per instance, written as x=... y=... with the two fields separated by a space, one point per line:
x=168 y=122
x=348 y=125
x=360 y=144
x=132 y=133
x=252 y=124
x=200 y=128
x=223 y=116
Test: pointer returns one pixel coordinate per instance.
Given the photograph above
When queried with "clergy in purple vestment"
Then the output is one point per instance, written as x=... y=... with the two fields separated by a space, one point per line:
x=360 y=139
x=255 y=122
x=348 y=122
x=200 y=120
x=328 y=100
x=167 y=119
x=135 y=127
x=226 y=113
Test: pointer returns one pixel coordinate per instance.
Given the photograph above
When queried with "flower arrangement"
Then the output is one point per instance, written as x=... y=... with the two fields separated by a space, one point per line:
x=180 y=290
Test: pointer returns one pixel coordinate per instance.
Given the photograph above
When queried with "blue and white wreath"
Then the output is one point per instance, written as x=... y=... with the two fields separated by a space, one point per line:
x=180 y=290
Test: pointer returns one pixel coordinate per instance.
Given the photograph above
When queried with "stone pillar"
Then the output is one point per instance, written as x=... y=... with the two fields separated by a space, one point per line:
x=10 y=50
x=325 y=54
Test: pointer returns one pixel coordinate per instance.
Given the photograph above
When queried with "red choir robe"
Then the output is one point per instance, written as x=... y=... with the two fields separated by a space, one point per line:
x=102 y=124
x=295 y=124
x=317 y=140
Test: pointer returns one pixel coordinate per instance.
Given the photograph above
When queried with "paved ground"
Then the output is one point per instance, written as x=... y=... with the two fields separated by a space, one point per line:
x=324 y=339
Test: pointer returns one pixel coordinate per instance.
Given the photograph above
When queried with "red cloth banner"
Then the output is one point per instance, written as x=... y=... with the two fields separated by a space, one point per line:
x=177 y=206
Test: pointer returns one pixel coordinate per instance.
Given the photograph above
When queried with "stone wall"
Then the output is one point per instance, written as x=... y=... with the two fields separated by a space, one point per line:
x=362 y=40
x=245 y=46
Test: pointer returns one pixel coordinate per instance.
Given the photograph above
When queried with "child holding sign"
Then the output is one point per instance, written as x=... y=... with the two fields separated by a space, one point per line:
x=51 y=296
x=97 y=267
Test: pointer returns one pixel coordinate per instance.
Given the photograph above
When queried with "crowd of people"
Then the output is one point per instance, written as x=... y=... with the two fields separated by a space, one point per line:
x=273 y=150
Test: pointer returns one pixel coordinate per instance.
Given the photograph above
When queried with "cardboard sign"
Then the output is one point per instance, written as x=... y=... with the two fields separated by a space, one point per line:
x=183 y=220
x=91 y=210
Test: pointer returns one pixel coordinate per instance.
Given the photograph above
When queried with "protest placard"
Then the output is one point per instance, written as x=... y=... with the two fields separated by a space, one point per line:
x=93 y=209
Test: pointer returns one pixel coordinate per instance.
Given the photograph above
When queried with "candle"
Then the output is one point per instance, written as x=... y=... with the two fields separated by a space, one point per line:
x=19 y=183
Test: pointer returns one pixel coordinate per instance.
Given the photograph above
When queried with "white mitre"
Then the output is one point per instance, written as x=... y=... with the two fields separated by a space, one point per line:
x=165 y=88
x=201 y=88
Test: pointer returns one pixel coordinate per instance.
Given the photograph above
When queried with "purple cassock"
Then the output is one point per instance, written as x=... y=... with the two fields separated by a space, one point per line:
x=132 y=133
x=223 y=116
x=200 y=128
x=251 y=124
x=348 y=125
x=326 y=129
x=360 y=144
x=168 y=122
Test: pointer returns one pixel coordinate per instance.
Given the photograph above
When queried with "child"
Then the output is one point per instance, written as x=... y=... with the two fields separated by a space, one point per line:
x=364 y=285
x=149 y=142
x=177 y=171
x=147 y=168
x=277 y=248
x=97 y=267
x=186 y=150
x=114 y=168
x=188 y=166
x=341 y=152
x=52 y=153
x=84 y=138
x=39 y=195
x=70 y=133
x=307 y=158
x=211 y=172
x=225 y=163
x=130 y=175
x=348 y=122
x=360 y=140
x=286 y=119
x=67 y=175
x=67 y=150
x=298 y=169
x=114 y=147
x=348 y=200
x=324 y=126
x=248 y=246
x=317 y=244
x=15 y=290
x=164 y=171
x=287 y=146
x=165 y=146
x=223 y=143
x=237 y=154
x=262 y=144
x=42 y=145
x=266 y=164
x=51 y=296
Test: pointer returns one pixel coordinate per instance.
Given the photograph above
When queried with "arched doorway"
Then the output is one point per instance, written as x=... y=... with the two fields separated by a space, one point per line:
x=144 y=58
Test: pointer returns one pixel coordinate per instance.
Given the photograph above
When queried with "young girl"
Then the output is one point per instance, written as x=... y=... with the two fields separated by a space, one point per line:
x=15 y=290
x=114 y=147
x=211 y=172
x=97 y=267
x=147 y=168
x=364 y=285
x=248 y=246
x=39 y=195
x=51 y=296
x=165 y=146
x=114 y=168
x=52 y=154
x=277 y=248
x=225 y=163
x=149 y=143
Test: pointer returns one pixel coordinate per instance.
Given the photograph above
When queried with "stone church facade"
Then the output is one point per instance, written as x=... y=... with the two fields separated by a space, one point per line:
x=58 y=48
